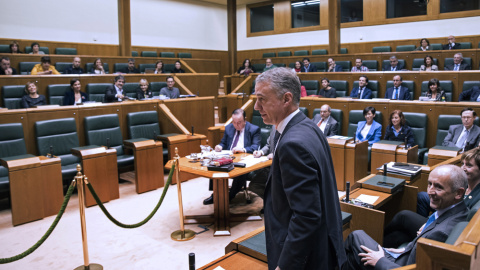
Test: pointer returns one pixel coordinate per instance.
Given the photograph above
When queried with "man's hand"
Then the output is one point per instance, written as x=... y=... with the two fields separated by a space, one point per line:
x=218 y=148
x=238 y=150
x=278 y=268
x=421 y=229
x=120 y=96
x=8 y=71
x=270 y=156
x=371 y=257
x=257 y=154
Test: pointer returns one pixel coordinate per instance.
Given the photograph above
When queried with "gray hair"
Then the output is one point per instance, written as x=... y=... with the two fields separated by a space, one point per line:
x=393 y=57
x=282 y=80
x=460 y=54
x=458 y=178
x=131 y=60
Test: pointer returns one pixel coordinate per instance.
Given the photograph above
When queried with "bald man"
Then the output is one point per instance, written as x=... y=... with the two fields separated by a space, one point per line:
x=327 y=124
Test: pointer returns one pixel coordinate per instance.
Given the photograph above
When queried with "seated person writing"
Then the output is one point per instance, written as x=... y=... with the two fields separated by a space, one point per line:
x=398 y=130
x=143 y=91
x=466 y=135
x=170 y=91
x=369 y=130
x=115 y=92
x=434 y=91
x=327 y=91
x=44 y=68
x=75 y=95
x=327 y=124
x=362 y=91
x=32 y=98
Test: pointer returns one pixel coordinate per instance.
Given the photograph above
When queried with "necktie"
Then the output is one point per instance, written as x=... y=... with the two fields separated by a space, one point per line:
x=275 y=140
x=430 y=220
x=461 y=141
x=395 y=93
x=360 y=96
x=237 y=135
x=393 y=68
x=456 y=67
x=320 y=122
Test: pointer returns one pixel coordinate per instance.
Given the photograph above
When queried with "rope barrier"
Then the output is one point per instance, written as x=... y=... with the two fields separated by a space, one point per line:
x=136 y=225
x=47 y=234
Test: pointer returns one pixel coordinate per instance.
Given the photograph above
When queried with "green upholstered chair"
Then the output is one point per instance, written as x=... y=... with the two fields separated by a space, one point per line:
x=372 y=65
x=142 y=67
x=269 y=54
x=102 y=128
x=61 y=135
x=311 y=86
x=336 y=114
x=437 y=46
x=168 y=68
x=156 y=87
x=381 y=49
x=25 y=68
x=149 y=54
x=447 y=86
x=418 y=124
x=319 y=52
x=96 y=91
x=405 y=48
x=145 y=125
x=291 y=65
x=89 y=66
x=134 y=54
x=118 y=67
x=341 y=86
x=61 y=66
x=259 y=67
x=372 y=84
x=304 y=110
x=12 y=96
x=56 y=92
x=252 y=92
x=387 y=62
x=469 y=84
x=28 y=49
x=280 y=64
x=409 y=84
x=321 y=66
x=130 y=89
x=417 y=62
x=184 y=55
x=465 y=45
x=284 y=53
x=66 y=51
x=449 y=61
x=355 y=116
x=346 y=65
x=264 y=128
x=343 y=50
x=167 y=54
x=4 y=48
x=300 y=53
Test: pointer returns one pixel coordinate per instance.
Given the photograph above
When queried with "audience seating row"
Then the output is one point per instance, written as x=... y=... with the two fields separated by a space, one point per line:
x=301 y=53
x=162 y=54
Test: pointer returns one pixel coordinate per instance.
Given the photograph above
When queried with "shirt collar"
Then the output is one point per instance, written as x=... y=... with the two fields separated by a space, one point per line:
x=281 y=126
x=438 y=213
x=117 y=89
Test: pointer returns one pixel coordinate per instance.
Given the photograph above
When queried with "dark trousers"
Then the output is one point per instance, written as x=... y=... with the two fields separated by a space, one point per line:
x=237 y=185
x=352 y=248
x=423 y=204
x=402 y=229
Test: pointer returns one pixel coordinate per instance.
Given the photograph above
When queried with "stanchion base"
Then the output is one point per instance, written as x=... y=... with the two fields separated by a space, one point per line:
x=92 y=266
x=179 y=236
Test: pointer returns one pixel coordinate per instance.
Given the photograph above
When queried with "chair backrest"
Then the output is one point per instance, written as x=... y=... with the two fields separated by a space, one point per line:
x=258 y=120
x=279 y=64
x=418 y=124
x=300 y=53
x=346 y=65
x=12 y=96
x=12 y=142
x=372 y=65
x=437 y=46
x=355 y=116
x=447 y=86
x=142 y=67
x=134 y=54
x=382 y=49
x=312 y=86
x=61 y=134
x=4 y=48
x=96 y=91
x=143 y=125
x=284 y=53
x=56 y=92
x=343 y=50
x=61 y=66
x=443 y=124
x=99 y=128
x=405 y=48
x=66 y=51
x=417 y=62
x=319 y=52
x=155 y=87
x=167 y=54
x=469 y=84
x=149 y=54
x=184 y=55
x=269 y=54
x=259 y=67
x=130 y=89
x=473 y=211
x=449 y=61
x=25 y=68
x=387 y=63
x=321 y=66
x=28 y=49
x=304 y=110
x=118 y=67
x=337 y=114
x=372 y=84
x=341 y=86
x=409 y=84
x=465 y=45
x=89 y=66
x=168 y=68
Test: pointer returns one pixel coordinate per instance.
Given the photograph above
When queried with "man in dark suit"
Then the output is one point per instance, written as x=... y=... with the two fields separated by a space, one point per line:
x=446 y=187
x=451 y=44
x=465 y=136
x=5 y=68
x=398 y=91
x=362 y=91
x=307 y=67
x=115 y=92
x=75 y=67
x=472 y=94
x=394 y=65
x=240 y=137
x=332 y=67
x=303 y=224
x=458 y=63
x=131 y=67
x=328 y=125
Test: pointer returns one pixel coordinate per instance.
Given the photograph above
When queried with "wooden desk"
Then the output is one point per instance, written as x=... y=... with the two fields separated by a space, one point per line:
x=148 y=164
x=221 y=204
x=36 y=188
x=236 y=260
x=99 y=165
x=439 y=154
x=350 y=160
x=387 y=151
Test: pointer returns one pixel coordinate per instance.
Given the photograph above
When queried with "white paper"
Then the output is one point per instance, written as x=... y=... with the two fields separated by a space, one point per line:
x=219 y=268
x=220 y=175
x=368 y=198
x=251 y=160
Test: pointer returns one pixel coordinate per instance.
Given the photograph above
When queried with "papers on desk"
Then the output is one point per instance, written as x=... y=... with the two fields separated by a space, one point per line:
x=368 y=198
x=338 y=137
x=210 y=154
x=219 y=268
x=250 y=160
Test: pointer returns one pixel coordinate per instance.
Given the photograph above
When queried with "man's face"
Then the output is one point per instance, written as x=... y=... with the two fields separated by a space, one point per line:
x=358 y=63
x=170 y=82
x=451 y=39
x=362 y=82
x=120 y=83
x=131 y=65
x=467 y=119
x=397 y=81
x=268 y=62
x=324 y=112
x=393 y=62
x=76 y=62
x=331 y=62
x=306 y=63
x=238 y=121
x=35 y=48
x=457 y=59
x=471 y=169
x=271 y=108
x=5 y=64
x=440 y=191
x=45 y=66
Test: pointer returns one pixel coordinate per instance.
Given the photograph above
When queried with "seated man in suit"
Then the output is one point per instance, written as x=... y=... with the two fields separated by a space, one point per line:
x=465 y=136
x=240 y=137
x=451 y=45
x=362 y=91
x=398 y=91
x=131 y=67
x=5 y=68
x=446 y=187
x=115 y=92
x=75 y=67
x=472 y=94
x=457 y=63
x=328 y=125
x=268 y=65
x=359 y=67
x=394 y=65
x=332 y=67
x=307 y=67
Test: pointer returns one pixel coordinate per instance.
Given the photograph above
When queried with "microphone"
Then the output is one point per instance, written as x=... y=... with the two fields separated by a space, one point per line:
x=191 y=261
x=108 y=143
x=385 y=169
x=51 y=151
x=154 y=136
x=192 y=131
x=347 y=192
x=406 y=146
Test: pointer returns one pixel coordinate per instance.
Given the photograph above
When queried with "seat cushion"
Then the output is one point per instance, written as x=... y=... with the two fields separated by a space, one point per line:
x=269 y=54
x=143 y=125
x=167 y=54
x=319 y=52
x=67 y=51
x=124 y=160
x=149 y=54
x=382 y=49
x=184 y=55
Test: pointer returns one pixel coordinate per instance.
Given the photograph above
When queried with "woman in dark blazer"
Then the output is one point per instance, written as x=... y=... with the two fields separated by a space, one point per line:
x=327 y=91
x=31 y=97
x=143 y=90
x=372 y=128
x=434 y=91
x=398 y=130
x=75 y=95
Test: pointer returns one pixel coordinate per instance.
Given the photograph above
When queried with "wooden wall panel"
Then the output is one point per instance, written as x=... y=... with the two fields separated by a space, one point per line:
x=197 y=112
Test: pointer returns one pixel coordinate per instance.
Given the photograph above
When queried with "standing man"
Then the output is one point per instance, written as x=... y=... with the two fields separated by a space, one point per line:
x=332 y=67
x=451 y=45
x=465 y=136
x=362 y=91
x=170 y=91
x=115 y=92
x=458 y=63
x=75 y=68
x=303 y=223
x=307 y=67
x=5 y=68
x=328 y=125
x=359 y=67
x=268 y=65
x=398 y=91
x=394 y=65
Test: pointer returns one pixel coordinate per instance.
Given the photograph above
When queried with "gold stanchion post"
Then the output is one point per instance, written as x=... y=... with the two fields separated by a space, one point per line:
x=182 y=234
x=79 y=178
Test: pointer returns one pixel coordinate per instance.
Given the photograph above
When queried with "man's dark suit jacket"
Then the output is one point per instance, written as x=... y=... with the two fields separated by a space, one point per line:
x=110 y=93
x=438 y=231
x=337 y=68
x=455 y=47
x=470 y=94
x=69 y=98
x=463 y=66
x=303 y=223
x=251 y=140
x=404 y=93
x=311 y=68
x=367 y=93
x=454 y=132
x=71 y=70
x=134 y=70
x=332 y=125
x=14 y=71
x=388 y=67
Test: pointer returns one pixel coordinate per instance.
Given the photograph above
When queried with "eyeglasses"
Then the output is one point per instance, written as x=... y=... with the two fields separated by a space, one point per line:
x=467 y=117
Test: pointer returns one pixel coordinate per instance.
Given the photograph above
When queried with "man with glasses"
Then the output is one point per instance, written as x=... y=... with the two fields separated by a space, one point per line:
x=451 y=45
x=398 y=91
x=394 y=65
x=466 y=135
x=458 y=63
x=268 y=65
